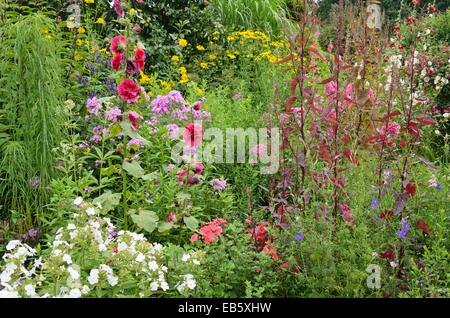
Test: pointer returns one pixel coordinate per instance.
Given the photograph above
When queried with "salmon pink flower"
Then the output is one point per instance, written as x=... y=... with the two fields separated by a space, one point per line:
x=129 y=91
x=193 y=135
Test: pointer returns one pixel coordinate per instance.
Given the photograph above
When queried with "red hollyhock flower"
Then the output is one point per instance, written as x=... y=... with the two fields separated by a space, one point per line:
x=116 y=61
x=388 y=255
x=118 y=44
x=129 y=91
x=139 y=59
x=432 y=8
x=193 y=135
x=423 y=226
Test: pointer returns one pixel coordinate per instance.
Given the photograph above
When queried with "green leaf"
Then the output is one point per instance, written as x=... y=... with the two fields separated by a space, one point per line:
x=146 y=220
x=133 y=169
x=164 y=227
x=115 y=130
x=191 y=222
x=150 y=176
x=108 y=201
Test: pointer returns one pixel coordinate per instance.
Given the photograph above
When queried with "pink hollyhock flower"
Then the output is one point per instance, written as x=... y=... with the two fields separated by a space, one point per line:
x=415 y=2
x=133 y=117
x=171 y=217
x=193 y=135
x=118 y=44
x=116 y=61
x=194 y=237
x=118 y=8
x=113 y=114
x=139 y=59
x=197 y=105
x=198 y=167
x=128 y=90
x=346 y=213
x=392 y=129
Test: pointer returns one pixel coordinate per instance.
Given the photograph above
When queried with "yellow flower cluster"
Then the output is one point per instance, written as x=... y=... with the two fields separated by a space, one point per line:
x=145 y=79
x=182 y=42
x=175 y=58
x=100 y=20
x=184 y=76
x=249 y=35
x=89 y=1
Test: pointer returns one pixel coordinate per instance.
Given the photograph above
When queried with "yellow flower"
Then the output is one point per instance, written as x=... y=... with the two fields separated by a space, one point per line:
x=94 y=49
x=139 y=10
x=175 y=58
x=231 y=38
x=184 y=79
x=231 y=56
x=204 y=65
x=132 y=11
x=104 y=50
x=89 y=1
x=200 y=47
x=78 y=57
x=182 y=42
x=79 y=42
x=167 y=86
x=81 y=30
x=199 y=91
x=183 y=70
x=145 y=79
x=212 y=57
x=100 y=21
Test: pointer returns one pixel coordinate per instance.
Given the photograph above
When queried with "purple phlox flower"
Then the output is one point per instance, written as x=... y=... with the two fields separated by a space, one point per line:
x=176 y=97
x=113 y=114
x=200 y=114
x=135 y=143
x=374 y=204
x=160 y=105
x=112 y=232
x=97 y=130
x=173 y=131
x=93 y=105
x=325 y=212
x=299 y=236
x=33 y=233
x=95 y=138
x=219 y=184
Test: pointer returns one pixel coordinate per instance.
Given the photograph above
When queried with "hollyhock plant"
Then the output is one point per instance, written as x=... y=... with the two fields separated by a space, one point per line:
x=116 y=61
x=197 y=167
x=139 y=59
x=128 y=91
x=270 y=250
x=193 y=135
x=134 y=117
x=172 y=216
x=118 y=8
x=118 y=44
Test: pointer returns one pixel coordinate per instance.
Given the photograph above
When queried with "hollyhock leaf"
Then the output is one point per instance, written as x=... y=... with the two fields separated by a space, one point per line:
x=134 y=169
x=115 y=130
x=146 y=220
x=108 y=201
x=191 y=223
x=426 y=120
x=164 y=227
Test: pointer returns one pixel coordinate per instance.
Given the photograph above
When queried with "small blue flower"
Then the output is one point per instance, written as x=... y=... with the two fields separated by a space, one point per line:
x=438 y=186
x=299 y=236
x=402 y=233
x=374 y=204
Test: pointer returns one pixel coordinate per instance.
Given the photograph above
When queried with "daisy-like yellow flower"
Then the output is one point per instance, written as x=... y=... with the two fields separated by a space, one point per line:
x=212 y=57
x=204 y=65
x=175 y=58
x=231 y=38
x=182 y=42
x=182 y=70
x=100 y=20
x=78 y=57
x=81 y=30
x=132 y=11
x=199 y=91
x=104 y=50
x=79 y=42
x=89 y=1
x=231 y=56
x=145 y=79
x=200 y=47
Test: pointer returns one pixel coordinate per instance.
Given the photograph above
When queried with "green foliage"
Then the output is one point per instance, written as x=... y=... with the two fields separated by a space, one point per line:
x=30 y=99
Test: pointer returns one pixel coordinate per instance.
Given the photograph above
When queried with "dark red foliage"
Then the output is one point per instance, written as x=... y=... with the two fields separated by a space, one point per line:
x=423 y=226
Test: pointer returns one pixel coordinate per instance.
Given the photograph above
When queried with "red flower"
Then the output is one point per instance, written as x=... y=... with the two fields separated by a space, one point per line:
x=432 y=8
x=133 y=117
x=388 y=255
x=116 y=61
x=270 y=249
x=115 y=250
x=415 y=2
x=423 y=226
x=212 y=230
x=118 y=44
x=139 y=59
x=129 y=91
x=259 y=233
x=193 y=135
x=198 y=167
x=396 y=28
x=171 y=217
x=410 y=189
x=194 y=237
